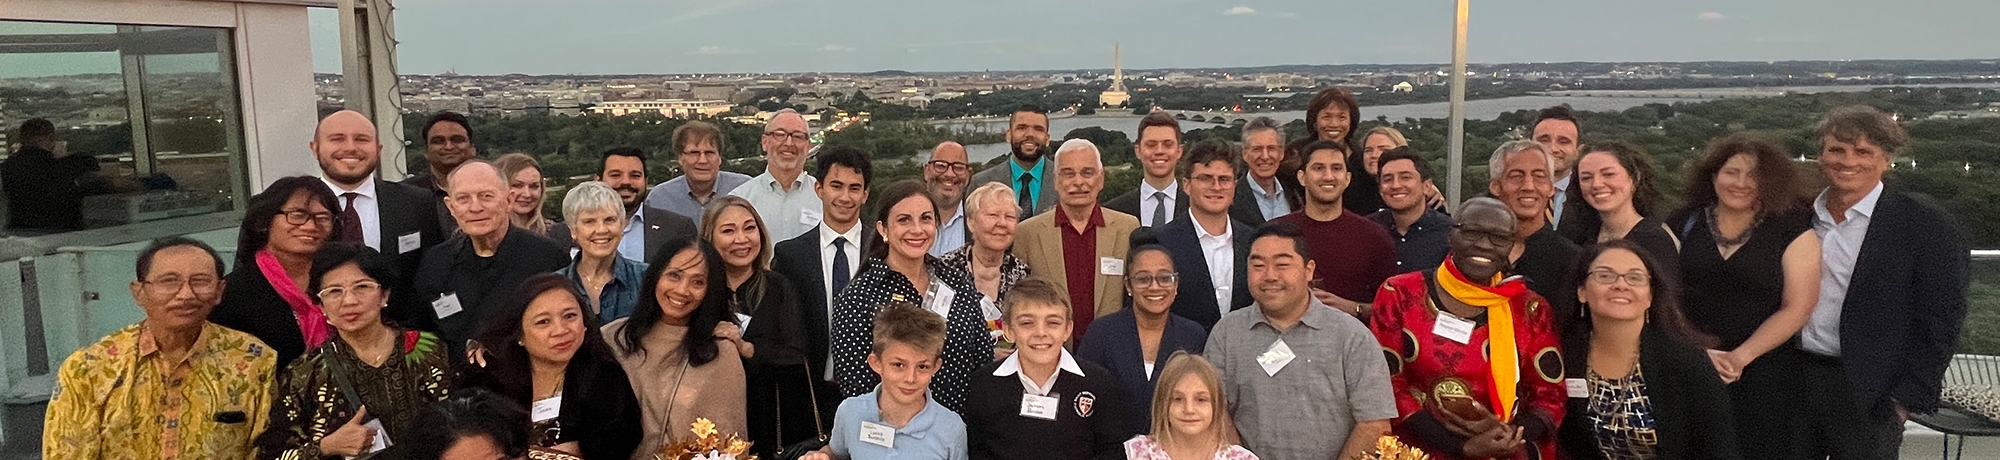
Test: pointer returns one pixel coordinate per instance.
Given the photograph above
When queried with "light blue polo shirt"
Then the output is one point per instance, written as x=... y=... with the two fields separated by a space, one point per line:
x=935 y=433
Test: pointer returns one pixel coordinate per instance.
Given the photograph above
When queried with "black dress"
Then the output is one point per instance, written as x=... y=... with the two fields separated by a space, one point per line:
x=1730 y=298
x=779 y=386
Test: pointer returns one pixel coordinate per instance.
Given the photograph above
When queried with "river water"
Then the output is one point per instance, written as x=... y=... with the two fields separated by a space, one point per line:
x=1484 y=109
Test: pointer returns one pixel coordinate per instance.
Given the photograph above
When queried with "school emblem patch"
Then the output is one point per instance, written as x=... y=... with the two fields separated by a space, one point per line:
x=1085 y=404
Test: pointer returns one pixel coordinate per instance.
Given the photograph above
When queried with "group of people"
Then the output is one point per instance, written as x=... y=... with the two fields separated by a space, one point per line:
x=1268 y=299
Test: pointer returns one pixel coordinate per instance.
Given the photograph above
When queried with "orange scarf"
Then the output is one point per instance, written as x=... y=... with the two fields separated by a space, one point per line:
x=1497 y=300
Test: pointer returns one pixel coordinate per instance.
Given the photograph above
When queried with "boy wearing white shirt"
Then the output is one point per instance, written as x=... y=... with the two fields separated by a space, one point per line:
x=1041 y=402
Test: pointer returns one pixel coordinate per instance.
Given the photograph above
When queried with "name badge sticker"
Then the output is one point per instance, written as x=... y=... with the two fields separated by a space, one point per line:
x=409 y=242
x=447 y=305
x=878 y=434
x=381 y=437
x=1578 y=388
x=809 y=217
x=1450 y=327
x=1112 y=266
x=546 y=409
x=1041 y=407
x=1275 y=358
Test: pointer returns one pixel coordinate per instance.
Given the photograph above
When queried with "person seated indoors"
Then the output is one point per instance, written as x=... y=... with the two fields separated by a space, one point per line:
x=1041 y=403
x=1190 y=416
x=899 y=419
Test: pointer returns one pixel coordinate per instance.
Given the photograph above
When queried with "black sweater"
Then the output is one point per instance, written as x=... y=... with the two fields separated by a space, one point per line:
x=1690 y=405
x=996 y=429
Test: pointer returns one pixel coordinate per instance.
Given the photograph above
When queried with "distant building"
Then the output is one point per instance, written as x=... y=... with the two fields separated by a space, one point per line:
x=1115 y=96
x=671 y=108
x=1403 y=87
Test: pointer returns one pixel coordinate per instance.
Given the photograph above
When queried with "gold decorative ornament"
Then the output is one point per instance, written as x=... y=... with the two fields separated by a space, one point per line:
x=707 y=444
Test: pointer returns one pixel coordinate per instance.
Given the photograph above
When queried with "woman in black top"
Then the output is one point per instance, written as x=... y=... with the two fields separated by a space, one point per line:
x=1751 y=275
x=1641 y=388
x=543 y=352
x=1617 y=180
x=266 y=294
x=780 y=388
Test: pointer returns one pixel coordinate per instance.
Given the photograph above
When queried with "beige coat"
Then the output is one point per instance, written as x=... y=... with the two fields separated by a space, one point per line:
x=1039 y=243
x=714 y=391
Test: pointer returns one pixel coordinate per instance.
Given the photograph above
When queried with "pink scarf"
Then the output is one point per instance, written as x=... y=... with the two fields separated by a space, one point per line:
x=312 y=322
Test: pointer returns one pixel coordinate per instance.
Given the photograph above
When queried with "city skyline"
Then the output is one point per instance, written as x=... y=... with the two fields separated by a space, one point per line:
x=676 y=36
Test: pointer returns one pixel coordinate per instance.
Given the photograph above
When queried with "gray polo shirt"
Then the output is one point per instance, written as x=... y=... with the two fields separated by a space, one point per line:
x=1307 y=409
x=674 y=194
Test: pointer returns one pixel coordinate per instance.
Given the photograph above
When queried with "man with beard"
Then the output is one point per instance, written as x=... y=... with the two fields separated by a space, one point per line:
x=1521 y=181
x=1355 y=255
x=783 y=194
x=447 y=144
x=624 y=169
x=946 y=174
x=698 y=146
x=390 y=217
x=1421 y=232
x=1159 y=198
x=1028 y=175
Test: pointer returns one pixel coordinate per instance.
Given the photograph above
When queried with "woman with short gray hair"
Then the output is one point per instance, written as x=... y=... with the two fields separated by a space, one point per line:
x=596 y=217
x=990 y=212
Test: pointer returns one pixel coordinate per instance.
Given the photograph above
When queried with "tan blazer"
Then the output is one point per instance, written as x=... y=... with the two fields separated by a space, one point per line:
x=1038 y=242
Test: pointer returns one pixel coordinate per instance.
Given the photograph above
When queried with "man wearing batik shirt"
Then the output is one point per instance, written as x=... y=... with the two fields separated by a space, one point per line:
x=1437 y=328
x=174 y=386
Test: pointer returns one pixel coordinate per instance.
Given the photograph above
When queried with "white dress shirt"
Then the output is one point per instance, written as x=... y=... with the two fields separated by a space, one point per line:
x=367 y=206
x=1012 y=366
x=950 y=234
x=1149 y=199
x=786 y=214
x=855 y=260
x=1839 y=245
x=1220 y=252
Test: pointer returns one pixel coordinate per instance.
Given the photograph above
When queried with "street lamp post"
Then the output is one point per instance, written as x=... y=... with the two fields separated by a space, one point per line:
x=1455 y=157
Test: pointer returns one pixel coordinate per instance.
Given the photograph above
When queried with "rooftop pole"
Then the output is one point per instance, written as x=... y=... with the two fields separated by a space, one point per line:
x=1455 y=157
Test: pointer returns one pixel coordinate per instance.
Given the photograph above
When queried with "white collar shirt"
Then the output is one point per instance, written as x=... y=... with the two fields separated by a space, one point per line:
x=368 y=206
x=1012 y=366
x=1151 y=198
x=1840 y=245
x=1219 y=250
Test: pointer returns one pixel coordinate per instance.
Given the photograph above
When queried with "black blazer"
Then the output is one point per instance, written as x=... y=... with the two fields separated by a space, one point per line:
x=1691 y=408
x=403 y=210
x=1113 y=342
x=1195 y=298
x=425 y=183
x=599 y=410
x=1245 y=209
x=482 y=285
x=250 y=305
x=661 y=226
x=798 y=260
x=1900 y=322
x=1129 y=203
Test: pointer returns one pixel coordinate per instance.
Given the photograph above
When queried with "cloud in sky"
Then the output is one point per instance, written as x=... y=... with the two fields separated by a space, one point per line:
x=715 y=51
x=1238 y=11
x=836 y=48
x=1711 y=16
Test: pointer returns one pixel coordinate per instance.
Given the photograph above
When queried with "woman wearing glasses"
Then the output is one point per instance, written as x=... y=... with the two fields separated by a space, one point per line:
x=1642 y=388
x=1437 y=328
x=366 y=384
x=1134 y=343
x=282 y=229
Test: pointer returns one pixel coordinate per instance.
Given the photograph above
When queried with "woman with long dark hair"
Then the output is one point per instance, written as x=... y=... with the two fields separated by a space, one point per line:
x=543 y=351
x=1648 y=390
x=782 y=406
x=1751 y=270
x=1618 y=182
x=901 y=269
x=282 y=228
x=681 y=346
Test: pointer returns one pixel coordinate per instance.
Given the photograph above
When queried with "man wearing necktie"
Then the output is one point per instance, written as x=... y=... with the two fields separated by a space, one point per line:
x=396 y=219
x=822 y=261
x=1028 y=137
x=1159 y=198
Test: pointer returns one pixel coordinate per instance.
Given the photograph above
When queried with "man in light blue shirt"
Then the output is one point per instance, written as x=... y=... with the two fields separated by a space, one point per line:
x=783 y=194
x=946 y=174
x=698 y=147
x=1260 y=197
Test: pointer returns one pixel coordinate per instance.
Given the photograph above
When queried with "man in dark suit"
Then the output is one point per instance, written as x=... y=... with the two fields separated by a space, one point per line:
x=1893 y=280
x=396 y=219
x=1259 y=195
x=821 y=261
x=469 y=277
x=447 y=144
x=1032 y=179
x=1209 y=248
x=1159 y=198
x=624 y=169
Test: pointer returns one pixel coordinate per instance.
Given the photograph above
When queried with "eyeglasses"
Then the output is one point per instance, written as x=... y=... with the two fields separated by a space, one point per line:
x=203 y=286
x=1607 y=277
x=1496 y=238
x=1165 y=279
x=1212 y=180
x=300 y=217
x=334 y=294
x=941 y=166
x=783 y=135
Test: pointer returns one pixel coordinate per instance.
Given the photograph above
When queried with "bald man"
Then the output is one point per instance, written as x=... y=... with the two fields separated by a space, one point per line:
x=393 y=218
x=783 y=194
x=1080 y=246
x=946 y=174
x=468 y=277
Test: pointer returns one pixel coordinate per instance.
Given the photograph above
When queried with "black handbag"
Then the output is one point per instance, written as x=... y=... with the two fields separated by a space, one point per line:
x=801 y=448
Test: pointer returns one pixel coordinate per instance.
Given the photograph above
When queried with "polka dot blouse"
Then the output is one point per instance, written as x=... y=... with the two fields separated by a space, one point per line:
x=966 y=346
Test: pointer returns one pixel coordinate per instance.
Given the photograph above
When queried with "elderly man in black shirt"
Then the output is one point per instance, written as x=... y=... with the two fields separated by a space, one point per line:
x=43 y=187
x=1521 y=179
x=467 y=277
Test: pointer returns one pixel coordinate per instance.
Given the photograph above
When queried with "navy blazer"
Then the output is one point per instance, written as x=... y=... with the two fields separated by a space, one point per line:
x=1195 y=298
x=1129 y=203
x=1113 y=342
x=1900 y=322
x=798 y=260
x=1245 y=208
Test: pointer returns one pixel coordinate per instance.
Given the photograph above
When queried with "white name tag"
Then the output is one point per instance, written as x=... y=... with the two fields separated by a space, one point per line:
x=1275 y=358
x=1041 y=407
x=410 y=242
x=743 y=321
x=1450 y=327
x=809 y=217
x=446 y=305
x=546 y=409
x=381 y=437
x=878 y=434
x=988 y=309
x=1578 y=388
x=941 y=297
x=1111 y=266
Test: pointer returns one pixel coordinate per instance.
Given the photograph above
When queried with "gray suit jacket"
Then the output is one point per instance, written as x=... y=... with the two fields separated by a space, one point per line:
x=661 y=226
x=1000 y=172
